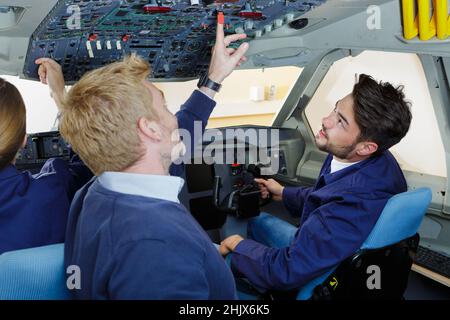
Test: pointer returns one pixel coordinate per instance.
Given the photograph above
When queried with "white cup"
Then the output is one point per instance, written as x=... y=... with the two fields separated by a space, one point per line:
x=257 y=93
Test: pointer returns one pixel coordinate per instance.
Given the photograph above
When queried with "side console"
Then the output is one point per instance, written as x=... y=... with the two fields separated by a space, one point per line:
x=39 y=148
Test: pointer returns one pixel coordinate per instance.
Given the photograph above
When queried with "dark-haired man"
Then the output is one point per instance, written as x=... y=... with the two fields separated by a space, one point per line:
x=338 y=213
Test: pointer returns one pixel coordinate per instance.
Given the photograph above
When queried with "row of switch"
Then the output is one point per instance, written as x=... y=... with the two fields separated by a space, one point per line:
x=98 y=46
x=277 y=23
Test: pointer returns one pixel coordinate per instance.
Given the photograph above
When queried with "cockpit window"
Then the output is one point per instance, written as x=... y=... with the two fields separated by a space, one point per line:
x=247 y=96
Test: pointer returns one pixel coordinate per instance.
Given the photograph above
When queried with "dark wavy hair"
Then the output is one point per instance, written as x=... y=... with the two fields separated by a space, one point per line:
x=381 y=112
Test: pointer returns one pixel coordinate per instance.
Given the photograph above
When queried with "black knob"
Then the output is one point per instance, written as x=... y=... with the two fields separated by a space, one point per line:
x=299 y=23
x=255 y=170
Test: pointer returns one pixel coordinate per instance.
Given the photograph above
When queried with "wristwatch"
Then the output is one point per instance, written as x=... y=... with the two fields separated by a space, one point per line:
x=205 y=81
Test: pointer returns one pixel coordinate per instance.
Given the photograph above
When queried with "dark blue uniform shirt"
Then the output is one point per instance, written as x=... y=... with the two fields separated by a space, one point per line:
x=34 y=208
x=136 y=247
x=337 y=215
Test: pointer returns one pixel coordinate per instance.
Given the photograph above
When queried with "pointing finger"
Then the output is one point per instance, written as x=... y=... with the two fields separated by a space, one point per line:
x=220 y=36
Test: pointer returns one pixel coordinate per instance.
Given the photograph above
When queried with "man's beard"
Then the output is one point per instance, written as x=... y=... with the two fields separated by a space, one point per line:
x=341 y=152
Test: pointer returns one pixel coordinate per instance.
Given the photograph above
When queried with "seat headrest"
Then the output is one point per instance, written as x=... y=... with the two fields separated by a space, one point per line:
x=400 y=219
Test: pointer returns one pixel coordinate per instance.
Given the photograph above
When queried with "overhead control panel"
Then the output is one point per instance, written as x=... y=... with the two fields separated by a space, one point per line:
x=175 y=36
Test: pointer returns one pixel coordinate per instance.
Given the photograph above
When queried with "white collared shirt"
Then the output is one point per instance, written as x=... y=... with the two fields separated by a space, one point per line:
x=338 y=165
x=146 y=185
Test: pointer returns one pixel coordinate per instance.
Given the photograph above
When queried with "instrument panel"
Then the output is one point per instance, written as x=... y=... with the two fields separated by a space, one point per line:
x=174 y=36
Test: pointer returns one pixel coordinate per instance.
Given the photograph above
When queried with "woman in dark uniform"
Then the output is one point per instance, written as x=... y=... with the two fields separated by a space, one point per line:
x=33 y=208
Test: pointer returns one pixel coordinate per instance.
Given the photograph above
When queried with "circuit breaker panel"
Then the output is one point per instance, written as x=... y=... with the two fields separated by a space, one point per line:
x=175 y=36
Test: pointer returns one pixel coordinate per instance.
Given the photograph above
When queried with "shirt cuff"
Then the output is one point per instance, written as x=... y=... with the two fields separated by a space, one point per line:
x=205 y=95
x=290 y=196
x=247 y=247
x=246 y=250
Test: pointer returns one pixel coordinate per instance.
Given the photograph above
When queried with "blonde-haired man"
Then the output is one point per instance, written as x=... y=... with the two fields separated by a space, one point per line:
x=127 y=231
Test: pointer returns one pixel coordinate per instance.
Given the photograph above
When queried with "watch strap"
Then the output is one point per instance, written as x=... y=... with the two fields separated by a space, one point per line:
x=205 y=81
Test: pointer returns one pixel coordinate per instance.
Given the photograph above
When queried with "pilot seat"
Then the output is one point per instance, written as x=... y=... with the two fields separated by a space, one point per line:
x=379 y=270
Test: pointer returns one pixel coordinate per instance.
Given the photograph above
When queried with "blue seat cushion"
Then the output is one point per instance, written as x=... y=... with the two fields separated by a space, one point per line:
x=33 y=274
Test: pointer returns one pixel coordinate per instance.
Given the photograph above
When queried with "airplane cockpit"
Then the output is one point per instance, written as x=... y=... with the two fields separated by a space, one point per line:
x=325 y=41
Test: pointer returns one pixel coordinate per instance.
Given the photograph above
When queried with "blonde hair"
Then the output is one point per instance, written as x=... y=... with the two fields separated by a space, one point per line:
x=100 y=115
x=12 y=122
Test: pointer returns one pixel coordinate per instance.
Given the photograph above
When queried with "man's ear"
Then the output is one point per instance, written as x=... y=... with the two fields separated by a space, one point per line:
x=366 y=148
x=150 y=129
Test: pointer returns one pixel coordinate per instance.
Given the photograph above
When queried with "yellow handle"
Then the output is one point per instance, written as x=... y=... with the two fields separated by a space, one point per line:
x=410 y=28
x=427 y=28
x=442 y=20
